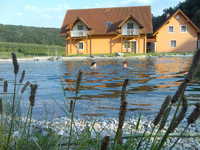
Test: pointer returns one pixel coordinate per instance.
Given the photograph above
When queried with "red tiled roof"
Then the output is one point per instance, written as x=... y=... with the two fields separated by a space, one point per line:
x=97 y=18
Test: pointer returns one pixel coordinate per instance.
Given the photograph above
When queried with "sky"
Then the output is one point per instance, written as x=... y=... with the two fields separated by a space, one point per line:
x=50 y=13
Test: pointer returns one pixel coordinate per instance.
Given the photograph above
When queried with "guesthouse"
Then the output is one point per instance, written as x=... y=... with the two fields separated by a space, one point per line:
x=177 y=34
x=107 y=30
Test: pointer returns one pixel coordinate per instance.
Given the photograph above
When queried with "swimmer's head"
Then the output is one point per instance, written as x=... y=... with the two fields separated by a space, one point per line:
x=93 y=65
x=125 y=64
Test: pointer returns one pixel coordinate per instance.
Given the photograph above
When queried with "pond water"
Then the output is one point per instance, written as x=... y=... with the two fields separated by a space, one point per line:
x=151 y=80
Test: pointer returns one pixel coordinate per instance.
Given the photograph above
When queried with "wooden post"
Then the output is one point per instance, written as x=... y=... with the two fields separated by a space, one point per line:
x=70 y=46
x=66 y=48
x=138 y=45
x=110 y=46
x=145 y=44
x=121 y=43
x=87 y=44
x=90 y=47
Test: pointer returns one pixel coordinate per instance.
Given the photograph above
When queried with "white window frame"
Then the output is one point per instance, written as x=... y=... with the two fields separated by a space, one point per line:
x=129 y=47
x=81 y=26
x=169 y=29
x=124 y=44
x=172 y=46
x=130 y=22
x=136 y=51
x=79 y=47
x=181 y=28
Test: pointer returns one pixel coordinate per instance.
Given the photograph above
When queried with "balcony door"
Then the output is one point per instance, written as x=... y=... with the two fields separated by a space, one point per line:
x=133 y=46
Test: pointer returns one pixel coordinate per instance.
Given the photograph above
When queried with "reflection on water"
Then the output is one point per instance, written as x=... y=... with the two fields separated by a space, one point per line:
x=151 y=79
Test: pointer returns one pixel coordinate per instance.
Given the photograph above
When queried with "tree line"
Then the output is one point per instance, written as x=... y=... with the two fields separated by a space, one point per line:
x=36 y=35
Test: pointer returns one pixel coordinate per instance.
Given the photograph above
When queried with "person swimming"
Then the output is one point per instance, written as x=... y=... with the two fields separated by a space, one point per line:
x=93 y=65
x=125 y=64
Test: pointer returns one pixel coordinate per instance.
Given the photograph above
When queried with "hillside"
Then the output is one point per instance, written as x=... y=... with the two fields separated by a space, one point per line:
x=190 y=7
x=36 y=35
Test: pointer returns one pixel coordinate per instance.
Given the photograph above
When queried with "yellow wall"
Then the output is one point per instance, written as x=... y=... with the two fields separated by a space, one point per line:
x=184 y=41
x=101 y=45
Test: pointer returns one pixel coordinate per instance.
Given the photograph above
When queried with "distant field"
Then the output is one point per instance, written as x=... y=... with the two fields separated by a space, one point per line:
x=30 y=50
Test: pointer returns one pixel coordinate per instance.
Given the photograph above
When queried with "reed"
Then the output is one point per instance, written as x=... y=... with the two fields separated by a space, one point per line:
x=179 y=97
x=22 y=76
x=84 y=139
x=105 y=143
x=122 y=114
x=191 y=119
x=194 y=115
x=163 y=108
x=16 y=70
x=180 y=92
x=32 y=94
x=5 y=86
x=23 y=89
x=180 y=116
x=1 y=106
x=72 y=106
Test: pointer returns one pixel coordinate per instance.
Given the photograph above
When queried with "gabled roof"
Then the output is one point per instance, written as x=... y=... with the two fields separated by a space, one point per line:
x=98 y=18
x=128 y=18
x=173 y=15
x=81 y=20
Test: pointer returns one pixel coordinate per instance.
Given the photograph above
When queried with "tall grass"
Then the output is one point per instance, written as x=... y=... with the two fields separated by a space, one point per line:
x=18 y=132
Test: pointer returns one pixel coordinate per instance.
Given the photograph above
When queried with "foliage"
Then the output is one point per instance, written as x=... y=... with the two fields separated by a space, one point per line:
x=24 y=34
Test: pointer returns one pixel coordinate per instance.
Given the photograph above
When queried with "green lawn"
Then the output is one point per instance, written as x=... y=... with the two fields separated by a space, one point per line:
x=30 y=50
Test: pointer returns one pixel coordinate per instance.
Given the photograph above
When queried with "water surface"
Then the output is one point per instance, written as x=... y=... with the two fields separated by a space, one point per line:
x=151 y=80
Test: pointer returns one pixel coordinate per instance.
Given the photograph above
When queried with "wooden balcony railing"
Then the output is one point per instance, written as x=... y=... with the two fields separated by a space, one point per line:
x=130 y=32
x=78 y=33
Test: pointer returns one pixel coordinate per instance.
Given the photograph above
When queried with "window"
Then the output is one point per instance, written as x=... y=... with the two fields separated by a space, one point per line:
x=130 y=25
x=171 y=29
x=80 y=27
x=80 y=45
x=183 y=28
x=126 y=44
x=173 y=43
x=177 y=17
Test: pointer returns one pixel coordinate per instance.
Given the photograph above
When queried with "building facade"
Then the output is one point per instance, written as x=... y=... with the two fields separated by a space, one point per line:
x=177 y=34
x=107 y=30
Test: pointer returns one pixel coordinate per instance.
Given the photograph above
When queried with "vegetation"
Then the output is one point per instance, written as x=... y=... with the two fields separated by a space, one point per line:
x=18 y=132
x=133 y=54
x=36 y=35
x=190 y=7
x=30 y=50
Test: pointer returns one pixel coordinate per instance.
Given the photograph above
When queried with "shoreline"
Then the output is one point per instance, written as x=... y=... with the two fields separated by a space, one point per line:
x=78 y=58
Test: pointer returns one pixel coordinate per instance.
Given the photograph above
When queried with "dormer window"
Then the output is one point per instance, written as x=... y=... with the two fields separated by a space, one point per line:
x=171 y=29
x=80 y=27
x=130 y=25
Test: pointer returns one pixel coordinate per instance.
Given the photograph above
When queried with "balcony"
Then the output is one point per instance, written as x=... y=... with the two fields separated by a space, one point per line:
x=130 y=32
x=78 y=33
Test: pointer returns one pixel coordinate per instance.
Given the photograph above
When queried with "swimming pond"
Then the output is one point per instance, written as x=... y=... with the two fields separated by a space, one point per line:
x=150 y=81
